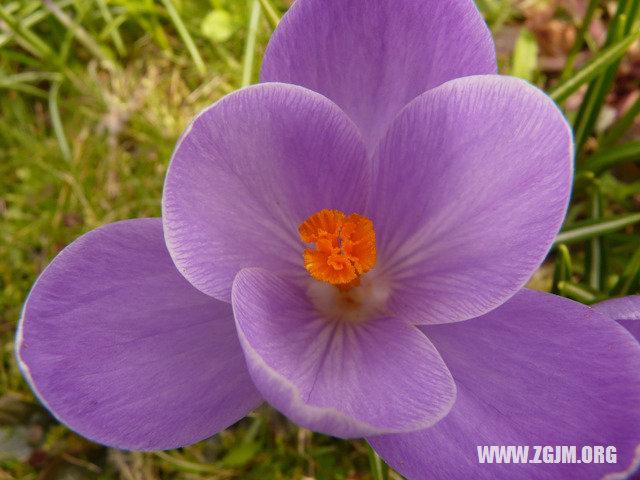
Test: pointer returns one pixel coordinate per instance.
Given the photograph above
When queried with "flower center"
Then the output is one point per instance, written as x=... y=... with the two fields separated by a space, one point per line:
x=345 y=247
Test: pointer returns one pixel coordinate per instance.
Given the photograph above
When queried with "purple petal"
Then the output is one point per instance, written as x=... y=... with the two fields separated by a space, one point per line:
x=539 y=370
x=625 y=310
x=247 y=172
x=372 y=58
x=473 y=180
x=124 y=351
x=339 y=378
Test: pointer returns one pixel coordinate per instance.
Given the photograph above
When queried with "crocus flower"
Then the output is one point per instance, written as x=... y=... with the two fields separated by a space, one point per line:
x=348 y=241
x=625 y=310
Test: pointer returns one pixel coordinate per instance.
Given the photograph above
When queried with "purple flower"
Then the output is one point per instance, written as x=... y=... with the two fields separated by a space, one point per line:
x=625 y=310
x=358 y=229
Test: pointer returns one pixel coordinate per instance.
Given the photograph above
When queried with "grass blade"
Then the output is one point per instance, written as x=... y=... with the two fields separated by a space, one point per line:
x=620 y=26
x=595 y=253
x=581 y=293
x=113 y=32
x=379 y=469
x=186 y=465
x=81 y=35
x=602 y=61
x=601 y=161
x=32 y=41
x=54 y=114
x=622 y=125
x=563 y=269
x=20 y=82
x=271 y=13
x=589 y=229
x=580 y=35
x=630 y=273
x=186 y=37
x=250 y=46
x=24 y=88
x=525 y=56
x=32 y=19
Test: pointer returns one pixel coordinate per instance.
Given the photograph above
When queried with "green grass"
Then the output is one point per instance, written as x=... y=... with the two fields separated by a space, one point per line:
x=94 y=94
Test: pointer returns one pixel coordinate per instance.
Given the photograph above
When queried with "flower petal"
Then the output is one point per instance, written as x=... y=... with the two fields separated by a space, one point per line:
x=472 y=184
x=124 y=351
x=539 y=370
x=372 y=58
x=247 y=172
x=342 y=379
x=625 y=310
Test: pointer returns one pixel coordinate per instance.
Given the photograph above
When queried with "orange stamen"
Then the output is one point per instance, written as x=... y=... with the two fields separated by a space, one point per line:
x=345 y=247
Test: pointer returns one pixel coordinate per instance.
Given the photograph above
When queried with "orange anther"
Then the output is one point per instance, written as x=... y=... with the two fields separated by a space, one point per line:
x=345 y=246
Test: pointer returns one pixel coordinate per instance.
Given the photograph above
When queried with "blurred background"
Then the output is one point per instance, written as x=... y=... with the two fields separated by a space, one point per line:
x=93 y=96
